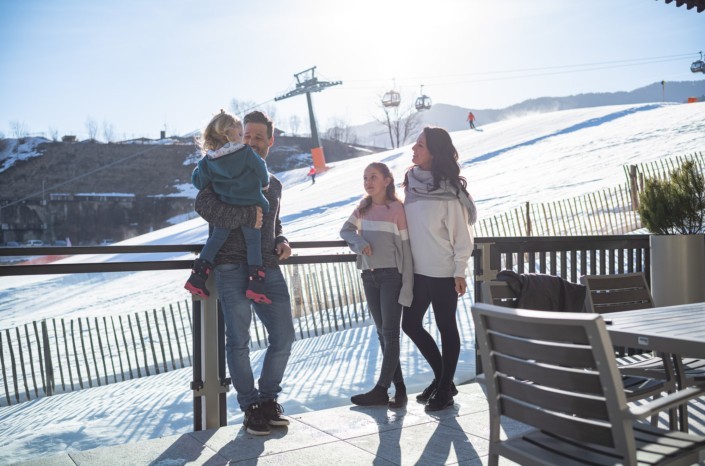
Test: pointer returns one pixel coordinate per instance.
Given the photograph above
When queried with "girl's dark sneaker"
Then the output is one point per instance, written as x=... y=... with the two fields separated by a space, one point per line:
x=399 y=400
x=255 y=286
x=196 y=283
x=376 y=397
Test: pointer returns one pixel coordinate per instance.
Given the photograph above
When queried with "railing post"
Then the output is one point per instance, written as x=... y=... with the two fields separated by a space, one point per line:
x=209 y=382
x=528 y=219
x=48 y=368
x=483 y=272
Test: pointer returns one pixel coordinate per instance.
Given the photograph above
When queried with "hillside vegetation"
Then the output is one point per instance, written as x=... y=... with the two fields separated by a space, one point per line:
x=140 y=169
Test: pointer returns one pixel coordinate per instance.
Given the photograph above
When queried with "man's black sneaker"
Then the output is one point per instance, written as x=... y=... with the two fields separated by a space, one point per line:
x=424 y=396
x=255 y=422
x=273 y=413
x=439 y=401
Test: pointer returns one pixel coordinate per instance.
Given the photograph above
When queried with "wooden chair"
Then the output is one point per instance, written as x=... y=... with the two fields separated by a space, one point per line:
x=556 y=372
x=627 y=292
x=614 y=293
x=498 y=293
x=636 y=386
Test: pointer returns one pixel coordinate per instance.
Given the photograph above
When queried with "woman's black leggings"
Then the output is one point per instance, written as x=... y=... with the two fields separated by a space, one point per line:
x=439 y=292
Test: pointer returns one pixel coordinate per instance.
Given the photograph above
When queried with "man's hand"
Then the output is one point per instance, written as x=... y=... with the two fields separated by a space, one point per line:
x=283 y=250
x=258 y=221
x=367 y=250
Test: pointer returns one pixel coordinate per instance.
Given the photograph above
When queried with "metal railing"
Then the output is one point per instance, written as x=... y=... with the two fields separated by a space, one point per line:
x=330 y=298
x=316 y=282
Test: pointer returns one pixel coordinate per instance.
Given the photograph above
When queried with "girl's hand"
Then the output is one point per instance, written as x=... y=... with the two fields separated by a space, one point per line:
x=258 y=221
x=460 y=286
x=367 y=250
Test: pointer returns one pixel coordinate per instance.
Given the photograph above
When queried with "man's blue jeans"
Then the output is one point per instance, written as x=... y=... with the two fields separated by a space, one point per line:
x=232 y=282
x=382 y=287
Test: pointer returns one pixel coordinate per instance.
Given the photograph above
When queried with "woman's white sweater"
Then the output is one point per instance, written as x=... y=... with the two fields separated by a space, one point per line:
x=441 y=238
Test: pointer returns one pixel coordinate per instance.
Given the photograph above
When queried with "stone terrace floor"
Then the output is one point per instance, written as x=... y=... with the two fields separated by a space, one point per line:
x=347 y=435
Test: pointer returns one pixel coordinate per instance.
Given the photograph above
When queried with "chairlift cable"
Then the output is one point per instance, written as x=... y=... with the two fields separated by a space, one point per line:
x=574 y=68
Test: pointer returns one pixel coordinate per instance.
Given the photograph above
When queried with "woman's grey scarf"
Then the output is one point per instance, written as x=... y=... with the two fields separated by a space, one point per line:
x=420 y=186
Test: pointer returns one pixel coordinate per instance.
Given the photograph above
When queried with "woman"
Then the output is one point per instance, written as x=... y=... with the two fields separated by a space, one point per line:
x=439 y=214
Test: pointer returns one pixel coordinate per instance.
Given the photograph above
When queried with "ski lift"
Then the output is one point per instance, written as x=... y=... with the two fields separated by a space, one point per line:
x=391 y=98
x=423 y=102
x=698 y=66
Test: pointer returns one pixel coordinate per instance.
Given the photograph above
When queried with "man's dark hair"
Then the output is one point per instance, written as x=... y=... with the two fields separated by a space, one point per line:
x=260 y=117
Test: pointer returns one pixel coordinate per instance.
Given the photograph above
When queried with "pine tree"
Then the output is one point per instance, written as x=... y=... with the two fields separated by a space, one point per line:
x=675 y=205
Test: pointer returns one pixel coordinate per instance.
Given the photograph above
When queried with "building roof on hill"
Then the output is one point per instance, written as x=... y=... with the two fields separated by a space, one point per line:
x=698 y=4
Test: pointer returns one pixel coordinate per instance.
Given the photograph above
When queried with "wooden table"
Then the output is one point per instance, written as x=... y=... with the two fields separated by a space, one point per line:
x=677 y=330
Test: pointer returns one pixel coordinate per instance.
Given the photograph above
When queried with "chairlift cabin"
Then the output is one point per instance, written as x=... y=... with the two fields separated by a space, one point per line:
x=391 y=99
x=698 y=66
x=423 y=102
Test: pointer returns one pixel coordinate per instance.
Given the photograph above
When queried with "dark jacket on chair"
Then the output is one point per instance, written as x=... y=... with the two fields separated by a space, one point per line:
x=544 y=292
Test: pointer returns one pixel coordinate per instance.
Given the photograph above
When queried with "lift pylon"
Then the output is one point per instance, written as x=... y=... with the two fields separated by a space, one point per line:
x=306 y=83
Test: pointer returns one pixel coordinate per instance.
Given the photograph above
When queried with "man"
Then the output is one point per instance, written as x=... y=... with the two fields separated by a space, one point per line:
x=231 y=275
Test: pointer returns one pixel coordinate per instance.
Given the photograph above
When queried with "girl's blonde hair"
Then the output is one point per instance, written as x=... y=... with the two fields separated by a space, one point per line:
x=213 y=136
x=391 y=192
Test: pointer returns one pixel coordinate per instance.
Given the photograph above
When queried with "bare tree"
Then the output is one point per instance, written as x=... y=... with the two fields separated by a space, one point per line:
x=242 y=107
x=108 y=132
x=294 y=123
x=91 y=128
x=53 y=133
x=401 y=121
x=340 y=130
x=271 y=111
x=19 y=129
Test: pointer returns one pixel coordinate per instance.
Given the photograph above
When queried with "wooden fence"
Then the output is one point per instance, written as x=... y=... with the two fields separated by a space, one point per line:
x=61 y=355
x=51 y=356
x=606 y=212
x=611 y=211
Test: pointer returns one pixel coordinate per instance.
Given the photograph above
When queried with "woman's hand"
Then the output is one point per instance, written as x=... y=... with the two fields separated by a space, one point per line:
x=460 y=286
x=258 y=221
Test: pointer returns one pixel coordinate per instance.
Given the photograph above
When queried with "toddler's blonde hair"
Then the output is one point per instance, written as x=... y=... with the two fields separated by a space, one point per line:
x=213 y=136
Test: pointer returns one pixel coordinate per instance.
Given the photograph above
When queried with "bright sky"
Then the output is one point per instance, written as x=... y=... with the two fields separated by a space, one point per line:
x=142 y=67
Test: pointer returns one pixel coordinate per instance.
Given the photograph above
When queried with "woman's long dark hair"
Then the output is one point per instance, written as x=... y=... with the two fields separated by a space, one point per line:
x=444 y=164
x=390 y=192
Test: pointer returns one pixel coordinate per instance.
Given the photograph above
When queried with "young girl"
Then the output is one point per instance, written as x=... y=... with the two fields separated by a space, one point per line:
x=440 y=212
x=377 y=232
x=238 y=176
